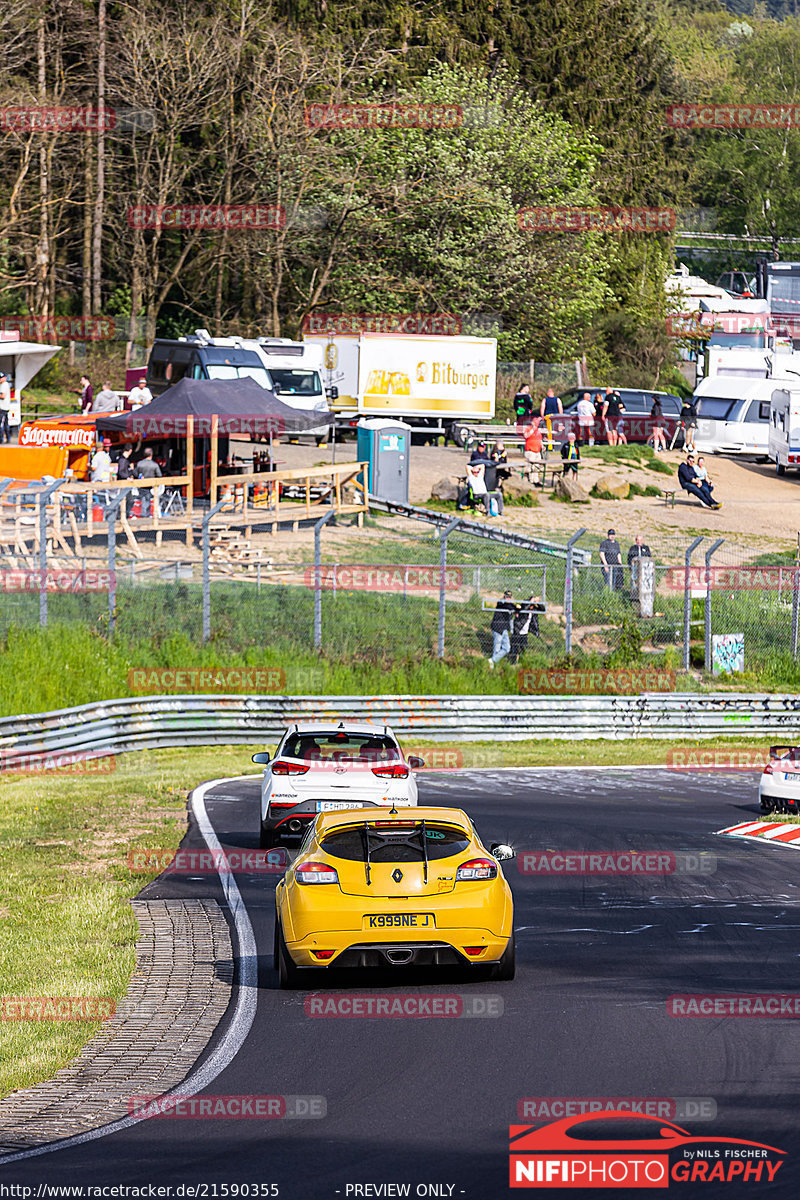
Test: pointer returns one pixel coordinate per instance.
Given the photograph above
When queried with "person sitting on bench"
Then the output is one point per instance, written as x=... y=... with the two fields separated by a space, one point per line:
x=691 y=484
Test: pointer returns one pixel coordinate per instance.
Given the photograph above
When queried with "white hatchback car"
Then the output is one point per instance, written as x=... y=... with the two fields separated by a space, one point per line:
x=779 y=786
x=325 y=767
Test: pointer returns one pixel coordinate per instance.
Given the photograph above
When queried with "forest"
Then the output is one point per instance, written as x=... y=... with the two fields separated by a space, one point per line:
x=560 y=103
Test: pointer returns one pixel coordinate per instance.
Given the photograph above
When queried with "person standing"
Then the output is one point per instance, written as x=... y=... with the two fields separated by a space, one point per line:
x=688 y=424
x=87 y=394
x=525 y=621
x=550 y=407
x=570 y=454
x=140 y=395
x=585 y=410
x=5 y=406
x=502 y=621
x=106 y=400
x=125 y=471
x=523 y=407
x=611 y=558
x=599 y=423
x=533 y=448
x=657 y=417
x=612 y=408
x=147 y=468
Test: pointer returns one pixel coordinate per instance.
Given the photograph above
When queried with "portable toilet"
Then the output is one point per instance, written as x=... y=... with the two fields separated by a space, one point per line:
x=385 y=445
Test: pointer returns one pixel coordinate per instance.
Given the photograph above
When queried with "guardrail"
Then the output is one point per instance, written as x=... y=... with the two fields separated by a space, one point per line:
x=151 y=722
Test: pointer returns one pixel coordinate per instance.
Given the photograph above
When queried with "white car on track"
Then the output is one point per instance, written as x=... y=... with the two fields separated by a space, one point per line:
x=779 y=786
x=324 y=767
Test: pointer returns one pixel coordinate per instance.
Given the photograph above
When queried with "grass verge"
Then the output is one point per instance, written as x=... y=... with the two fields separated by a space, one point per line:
x=66 y=928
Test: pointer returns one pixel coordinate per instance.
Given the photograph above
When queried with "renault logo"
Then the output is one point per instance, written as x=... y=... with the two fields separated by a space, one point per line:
x=397 y=875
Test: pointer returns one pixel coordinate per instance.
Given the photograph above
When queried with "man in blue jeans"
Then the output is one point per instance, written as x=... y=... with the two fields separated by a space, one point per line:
x=691 y=484
x=502 y=619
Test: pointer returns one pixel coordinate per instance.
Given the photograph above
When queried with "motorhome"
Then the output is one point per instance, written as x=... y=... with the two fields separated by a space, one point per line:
x=293 y=370
x=784 y=428
x=733 y=414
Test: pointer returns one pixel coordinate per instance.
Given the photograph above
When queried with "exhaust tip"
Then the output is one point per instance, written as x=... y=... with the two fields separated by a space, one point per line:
x=399 y=958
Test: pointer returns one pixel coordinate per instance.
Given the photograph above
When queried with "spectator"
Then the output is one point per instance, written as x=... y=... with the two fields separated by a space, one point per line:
x=106 y=400
x=499 y=457
x=701 y=474
x=5 y=405
x=479 y=454
x=611 y=558
x=550 y=407
x=533 y=448
x=687 y=477
x=599 y=423
x=100 y=466
x=571 y=454
x=612 y=408
x=523 y=406
x=525 y=621
x=657 y=417
x=502 y=621
x=125 y=471
x=147 y=468
x=688 y=424
x=479 y=488
x=139 y=395
x=87 y=394
x=585 y=410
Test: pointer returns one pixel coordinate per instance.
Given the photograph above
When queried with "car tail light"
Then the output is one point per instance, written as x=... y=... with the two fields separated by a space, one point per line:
x=769 y=769
x=316 y=872
x=323 y=955
x=281 y=767
x=284 y=803
x=474 y=951
x=477 y=868
x=393 y=771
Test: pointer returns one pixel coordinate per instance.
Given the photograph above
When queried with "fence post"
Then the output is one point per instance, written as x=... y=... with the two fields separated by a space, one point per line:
x=795 y=598
x=111 y=516
x=707 y=610
x=318 y=578
x=544 y=582
x=207 y=569
x=568 y=592
x=443 y=536
x=44 y=496
x=687 y=602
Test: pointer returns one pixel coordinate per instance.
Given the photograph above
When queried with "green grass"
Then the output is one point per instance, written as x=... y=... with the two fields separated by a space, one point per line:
x=66 y=928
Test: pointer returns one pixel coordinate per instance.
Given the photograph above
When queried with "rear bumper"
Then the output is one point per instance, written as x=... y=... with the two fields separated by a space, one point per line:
x=444 y=948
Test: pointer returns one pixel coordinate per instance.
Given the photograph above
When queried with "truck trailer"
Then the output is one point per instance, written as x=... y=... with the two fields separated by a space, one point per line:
x=436 y=384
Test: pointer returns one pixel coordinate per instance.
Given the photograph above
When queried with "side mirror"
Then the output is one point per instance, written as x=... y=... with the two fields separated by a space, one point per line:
x=415 y=762
x=502 y=852
x=261 y=757
x=332 y=393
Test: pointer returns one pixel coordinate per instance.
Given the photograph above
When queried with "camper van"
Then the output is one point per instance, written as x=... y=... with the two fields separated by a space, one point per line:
x=293 y=370
x=733 y=415
x=784 y=428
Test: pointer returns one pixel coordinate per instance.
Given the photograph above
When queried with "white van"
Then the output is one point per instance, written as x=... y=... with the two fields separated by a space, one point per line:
x=784 y=428
x=733 y=415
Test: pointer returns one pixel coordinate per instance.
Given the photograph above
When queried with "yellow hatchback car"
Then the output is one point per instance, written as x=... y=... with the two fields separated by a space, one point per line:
x=398 y=888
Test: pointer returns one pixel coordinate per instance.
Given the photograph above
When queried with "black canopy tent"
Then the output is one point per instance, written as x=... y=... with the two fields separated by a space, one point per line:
x=241 y=406
x=220 y=409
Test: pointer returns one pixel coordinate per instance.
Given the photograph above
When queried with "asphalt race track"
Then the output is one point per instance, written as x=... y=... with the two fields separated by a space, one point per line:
x=429 y=1101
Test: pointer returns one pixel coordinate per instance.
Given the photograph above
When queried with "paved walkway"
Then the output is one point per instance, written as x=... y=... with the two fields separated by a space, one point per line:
x=177 y=995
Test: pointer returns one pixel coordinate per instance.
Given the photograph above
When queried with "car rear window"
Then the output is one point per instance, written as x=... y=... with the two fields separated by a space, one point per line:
x=398 y=844
x=340 y=747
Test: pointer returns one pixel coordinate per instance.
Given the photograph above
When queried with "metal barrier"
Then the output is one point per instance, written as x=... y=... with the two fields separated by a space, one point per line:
x=153 y=722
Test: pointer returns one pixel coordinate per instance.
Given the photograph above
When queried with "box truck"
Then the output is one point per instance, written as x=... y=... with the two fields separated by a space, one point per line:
x=439 y=385
x=784 y=428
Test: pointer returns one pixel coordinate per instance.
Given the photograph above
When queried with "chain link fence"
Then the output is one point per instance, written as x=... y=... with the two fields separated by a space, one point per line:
x=420 y=594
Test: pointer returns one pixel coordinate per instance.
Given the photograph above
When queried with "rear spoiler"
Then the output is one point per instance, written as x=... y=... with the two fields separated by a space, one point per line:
x=778 y=751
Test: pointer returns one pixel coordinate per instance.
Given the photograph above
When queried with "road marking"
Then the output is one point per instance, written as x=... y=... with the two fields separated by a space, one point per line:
x=246 y=997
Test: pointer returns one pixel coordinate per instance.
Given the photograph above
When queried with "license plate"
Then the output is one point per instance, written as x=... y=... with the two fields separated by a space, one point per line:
x=791 y=778
x=335 y=805
x=400 y=921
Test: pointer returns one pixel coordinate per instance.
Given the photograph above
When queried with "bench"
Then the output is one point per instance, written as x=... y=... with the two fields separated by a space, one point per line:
x=669 y=496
